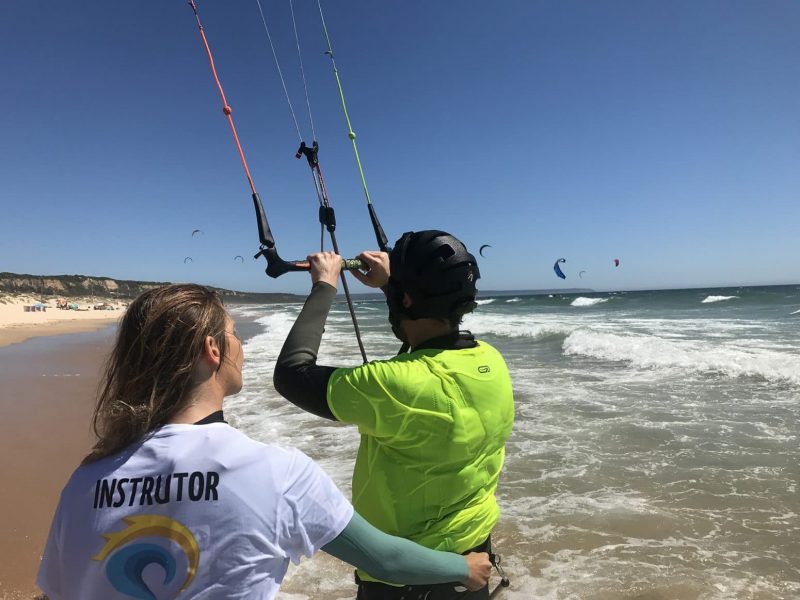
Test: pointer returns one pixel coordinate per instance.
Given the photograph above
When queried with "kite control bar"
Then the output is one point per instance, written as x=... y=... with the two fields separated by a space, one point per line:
x=276 y=266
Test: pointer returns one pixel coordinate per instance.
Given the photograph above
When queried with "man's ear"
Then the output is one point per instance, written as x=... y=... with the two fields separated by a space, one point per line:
x=211 y=351
x=407 y=300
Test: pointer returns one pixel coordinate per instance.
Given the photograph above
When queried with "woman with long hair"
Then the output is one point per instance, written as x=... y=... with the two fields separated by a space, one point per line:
x=172 y=502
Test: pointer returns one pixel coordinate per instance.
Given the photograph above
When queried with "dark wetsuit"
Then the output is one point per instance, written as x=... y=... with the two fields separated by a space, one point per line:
x=299 y=378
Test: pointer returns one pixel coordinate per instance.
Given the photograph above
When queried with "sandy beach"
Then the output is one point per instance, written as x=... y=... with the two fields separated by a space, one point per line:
x=49 y=380
x=18 y=324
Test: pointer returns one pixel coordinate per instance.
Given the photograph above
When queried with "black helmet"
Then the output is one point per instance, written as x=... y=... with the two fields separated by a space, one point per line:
x=436 y=271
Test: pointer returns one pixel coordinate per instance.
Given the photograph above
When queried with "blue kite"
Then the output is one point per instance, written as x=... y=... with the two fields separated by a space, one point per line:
x=558 y=270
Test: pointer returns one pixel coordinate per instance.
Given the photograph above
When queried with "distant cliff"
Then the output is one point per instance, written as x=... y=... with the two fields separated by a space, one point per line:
x=79 y=286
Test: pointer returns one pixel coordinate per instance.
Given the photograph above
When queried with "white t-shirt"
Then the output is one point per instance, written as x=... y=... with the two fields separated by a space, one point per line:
x=195 y=511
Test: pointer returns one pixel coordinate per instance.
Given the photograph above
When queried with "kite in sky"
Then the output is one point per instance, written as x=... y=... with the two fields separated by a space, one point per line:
x=558 y=270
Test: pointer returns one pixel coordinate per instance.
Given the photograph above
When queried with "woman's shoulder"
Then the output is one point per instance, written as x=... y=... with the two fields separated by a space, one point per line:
x=226 y=437
x=229 y=437
x=174 y=443
x=178 y=449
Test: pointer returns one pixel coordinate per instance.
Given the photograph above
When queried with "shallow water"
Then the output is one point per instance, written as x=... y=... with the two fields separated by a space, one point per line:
x=655 y=451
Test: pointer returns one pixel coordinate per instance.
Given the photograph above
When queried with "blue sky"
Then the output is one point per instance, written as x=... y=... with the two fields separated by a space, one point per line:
x=665 y=134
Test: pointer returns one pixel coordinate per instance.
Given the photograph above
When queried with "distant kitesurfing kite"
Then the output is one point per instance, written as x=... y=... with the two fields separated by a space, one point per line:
x=558 y=270
x=616 y=262
x=480 y=250
x=195 y=232
x=239 y=258
x=580 y=274
x=188 y=259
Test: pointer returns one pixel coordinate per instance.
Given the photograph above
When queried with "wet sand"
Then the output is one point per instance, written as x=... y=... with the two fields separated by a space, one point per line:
x=48 y=390
x=14 y=334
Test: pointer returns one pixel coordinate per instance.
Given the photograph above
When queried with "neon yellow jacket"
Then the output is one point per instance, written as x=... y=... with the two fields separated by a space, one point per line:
x=433 y=427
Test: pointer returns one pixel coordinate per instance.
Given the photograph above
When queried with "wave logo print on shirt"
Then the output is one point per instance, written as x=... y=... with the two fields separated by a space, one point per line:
x=128 y=560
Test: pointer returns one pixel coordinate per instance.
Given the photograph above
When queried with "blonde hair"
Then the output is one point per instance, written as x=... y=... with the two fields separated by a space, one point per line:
x=148 y=377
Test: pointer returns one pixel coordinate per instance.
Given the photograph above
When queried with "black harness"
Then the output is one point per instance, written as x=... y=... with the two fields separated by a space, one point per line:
x=373 y=590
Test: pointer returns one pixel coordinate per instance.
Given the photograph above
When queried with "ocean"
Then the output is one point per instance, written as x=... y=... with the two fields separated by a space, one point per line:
x=655 y=451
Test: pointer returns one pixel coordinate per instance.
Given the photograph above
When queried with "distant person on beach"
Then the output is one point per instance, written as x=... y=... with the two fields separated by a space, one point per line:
x=173 y=501
x=433 y=421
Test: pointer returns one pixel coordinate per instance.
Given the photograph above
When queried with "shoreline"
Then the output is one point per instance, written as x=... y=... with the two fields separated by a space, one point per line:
x=49 y=390
x=18 y=333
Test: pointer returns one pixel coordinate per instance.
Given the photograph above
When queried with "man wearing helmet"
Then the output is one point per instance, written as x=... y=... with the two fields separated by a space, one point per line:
x=433 y=421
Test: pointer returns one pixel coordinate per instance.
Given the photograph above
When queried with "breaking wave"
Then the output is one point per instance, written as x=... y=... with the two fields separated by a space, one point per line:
x=709 y=299
x=581 y=301
x=652 y=352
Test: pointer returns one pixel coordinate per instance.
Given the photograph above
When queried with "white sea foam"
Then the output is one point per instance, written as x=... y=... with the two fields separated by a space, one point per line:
x=485 y=301
x=636 y=568
x=514 y=327
x=690 y=328
x=709 y=299
x=514 y=300
x=257 y=310
x=582 y=301
x=647 y=351
x=797 y=312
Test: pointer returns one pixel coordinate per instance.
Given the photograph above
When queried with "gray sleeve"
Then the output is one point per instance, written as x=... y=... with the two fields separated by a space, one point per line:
x=394 y=559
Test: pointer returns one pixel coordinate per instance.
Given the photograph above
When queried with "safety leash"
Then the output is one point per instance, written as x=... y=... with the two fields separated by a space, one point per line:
x=504 y=582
